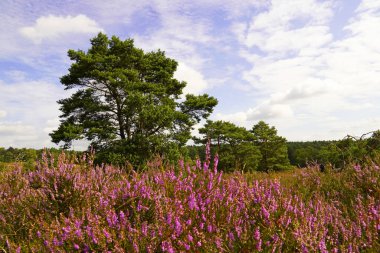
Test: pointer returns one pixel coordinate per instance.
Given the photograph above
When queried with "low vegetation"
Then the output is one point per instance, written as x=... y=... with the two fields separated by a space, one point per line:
x=75 y=206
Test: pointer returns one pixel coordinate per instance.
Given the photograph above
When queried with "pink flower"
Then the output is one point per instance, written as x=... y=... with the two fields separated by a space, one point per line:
x=322 y=246
x=192 y=201
x=178 y=226
x=265 y=213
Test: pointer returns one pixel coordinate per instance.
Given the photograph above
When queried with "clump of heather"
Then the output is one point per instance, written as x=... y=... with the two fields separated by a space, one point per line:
x=66 y=206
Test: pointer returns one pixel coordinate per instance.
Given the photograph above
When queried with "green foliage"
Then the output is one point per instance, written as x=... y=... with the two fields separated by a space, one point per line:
x=17 y=155
x=127 y=102
x=272 y=147
x=339 y=153
x=302 y=153
x=233 y=144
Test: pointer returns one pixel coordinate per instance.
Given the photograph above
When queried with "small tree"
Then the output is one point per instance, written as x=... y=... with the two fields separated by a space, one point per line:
x=232 y=143
x=374 y=144
x=273 y=149
x=126 y=102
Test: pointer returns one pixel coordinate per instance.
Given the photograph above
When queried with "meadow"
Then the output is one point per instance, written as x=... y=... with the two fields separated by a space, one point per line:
x=72 y=205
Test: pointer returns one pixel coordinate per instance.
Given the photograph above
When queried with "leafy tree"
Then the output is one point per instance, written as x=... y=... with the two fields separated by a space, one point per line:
x=272 y=147
x=233 y=144
x=126 y=102
x=302 y=153
x=353 y=149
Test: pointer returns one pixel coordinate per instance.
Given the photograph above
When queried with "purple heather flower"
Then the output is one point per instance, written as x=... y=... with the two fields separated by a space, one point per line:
x=167 y=246
x=216 y=161
x=76 y=246
x=136 y=247
x=178 y=226
x=238 y=231
x=322 y=246
x=66 y=230
x=304 y=249
x=198 y=163
x=112 y=219
x=55 y=241
x=220 y=177
x=122 y=216
x=218 y=243
x=169 y=218
x=257 y=237
x=78 y=233
x=144 y=229
x=265 y=212
x=106 y=234
x=209 y=185
x=209 y=228
x=191 y=200
x=231 y=236
x=78 y=224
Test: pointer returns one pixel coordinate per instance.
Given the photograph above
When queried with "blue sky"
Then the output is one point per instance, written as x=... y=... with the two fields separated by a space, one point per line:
x=311 y=68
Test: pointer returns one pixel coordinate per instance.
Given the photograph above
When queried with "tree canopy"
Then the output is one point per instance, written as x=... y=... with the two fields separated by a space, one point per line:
x=272 y=147
x=126 y=101
x=233 y=144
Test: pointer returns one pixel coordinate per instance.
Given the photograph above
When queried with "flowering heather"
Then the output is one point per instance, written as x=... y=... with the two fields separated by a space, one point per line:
x=64 y=206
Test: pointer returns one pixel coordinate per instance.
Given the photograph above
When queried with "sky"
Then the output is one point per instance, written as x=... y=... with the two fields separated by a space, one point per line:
x=311 y=68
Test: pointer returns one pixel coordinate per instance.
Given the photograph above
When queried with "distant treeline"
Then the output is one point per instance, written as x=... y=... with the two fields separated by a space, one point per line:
x=337 y=153
x=302 y=153
x=27 y=156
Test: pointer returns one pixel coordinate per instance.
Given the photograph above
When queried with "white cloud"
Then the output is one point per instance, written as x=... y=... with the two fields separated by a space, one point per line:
x=238 y=118
x=3 y=113
x=53 y=27
x=278 y=28
x=178 y=35
x=304 y=91
x=16 y=129
x=371 y=6
x=31 y=108
x=17 y=134
x=310 y=84
x=51 y=125
x=196 y=84
x=267 y=111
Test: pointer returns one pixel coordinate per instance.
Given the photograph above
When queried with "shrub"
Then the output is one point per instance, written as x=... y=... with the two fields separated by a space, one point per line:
x=68 y=206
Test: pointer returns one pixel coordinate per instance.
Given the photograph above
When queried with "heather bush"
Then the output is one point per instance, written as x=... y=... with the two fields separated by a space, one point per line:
x=75 y=206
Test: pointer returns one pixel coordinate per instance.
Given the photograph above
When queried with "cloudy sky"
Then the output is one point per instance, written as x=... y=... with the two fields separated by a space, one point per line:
x=311 y=68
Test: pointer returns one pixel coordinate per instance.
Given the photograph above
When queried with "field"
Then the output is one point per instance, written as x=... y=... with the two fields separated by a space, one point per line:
x=73 y=206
